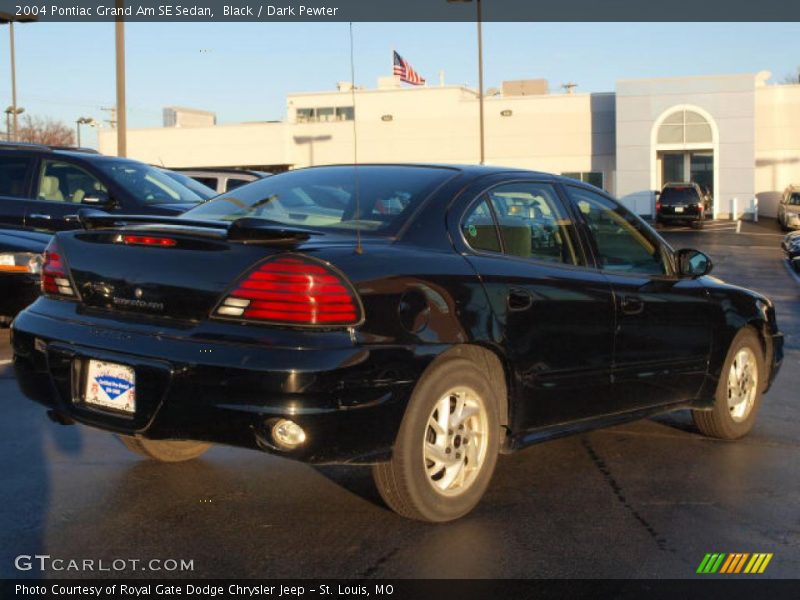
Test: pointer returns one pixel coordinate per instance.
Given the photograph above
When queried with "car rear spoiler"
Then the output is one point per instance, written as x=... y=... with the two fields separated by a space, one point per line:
x=247 y=230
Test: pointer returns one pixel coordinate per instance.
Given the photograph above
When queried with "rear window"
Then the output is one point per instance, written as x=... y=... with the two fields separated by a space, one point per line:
x=375 y=199
x=12 y=175
x=686 y=194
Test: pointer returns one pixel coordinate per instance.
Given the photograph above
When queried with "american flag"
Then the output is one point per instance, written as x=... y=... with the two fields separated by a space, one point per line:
x=406 y=73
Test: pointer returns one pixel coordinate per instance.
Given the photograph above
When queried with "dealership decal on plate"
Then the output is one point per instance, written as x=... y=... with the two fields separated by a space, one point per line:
x=111 y=385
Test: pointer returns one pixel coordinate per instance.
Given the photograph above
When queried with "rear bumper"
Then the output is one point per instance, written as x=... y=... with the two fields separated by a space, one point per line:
x=690 y=214
x=349 y=399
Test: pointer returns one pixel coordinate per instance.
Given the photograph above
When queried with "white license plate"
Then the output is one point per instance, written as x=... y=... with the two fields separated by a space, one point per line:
x=678 y=209
x=110 y=385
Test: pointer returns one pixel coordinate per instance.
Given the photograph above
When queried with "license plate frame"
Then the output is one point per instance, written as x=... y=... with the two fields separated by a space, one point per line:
x=110 y=386
x=678 y=209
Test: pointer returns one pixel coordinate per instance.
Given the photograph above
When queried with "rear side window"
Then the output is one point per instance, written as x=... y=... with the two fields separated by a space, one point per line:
x=479 y=229
x=207 y=181
x=623 y=242
x=533 y=222
x=13 y=171
x=683 y=194
x=65 y=182
x=232 y=184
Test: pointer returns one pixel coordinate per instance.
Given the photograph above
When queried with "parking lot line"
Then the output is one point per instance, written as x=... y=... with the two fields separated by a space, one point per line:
x=5 y=362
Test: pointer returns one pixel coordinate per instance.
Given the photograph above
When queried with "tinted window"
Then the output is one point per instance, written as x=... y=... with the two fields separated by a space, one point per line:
x=622 y=240
x=64 y=182
x=794 y=200
x=12 y=175
x=232 y=183
x=533 y=222
x=479 y=229
x=147 y=184
x=684 y=194
x=368 y=198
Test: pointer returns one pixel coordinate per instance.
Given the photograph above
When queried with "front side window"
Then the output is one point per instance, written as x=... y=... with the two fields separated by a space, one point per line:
x=533 y=222
x=623 y=242
x=64 y=182
x=146 y=183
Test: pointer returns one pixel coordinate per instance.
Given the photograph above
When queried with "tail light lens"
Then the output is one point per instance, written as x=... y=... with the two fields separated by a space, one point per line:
x=658 y=206
x=55 y=280
x=293 y=290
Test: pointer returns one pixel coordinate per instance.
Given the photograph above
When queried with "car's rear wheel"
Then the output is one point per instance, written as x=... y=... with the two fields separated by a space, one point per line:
x=698 y=224
x=738 y=395
x=164 y=450
x=446 y=450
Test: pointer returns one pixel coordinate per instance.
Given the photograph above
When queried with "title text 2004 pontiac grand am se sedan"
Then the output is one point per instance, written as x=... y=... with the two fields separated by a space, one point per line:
x=421 y=319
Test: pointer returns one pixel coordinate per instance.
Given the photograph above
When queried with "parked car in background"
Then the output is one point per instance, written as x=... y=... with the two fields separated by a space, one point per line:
x=20 y=264
x=205 y=192
x=791 y=249
x=223 y=180
x=43 y=187
x=439 y=316
x=789 y=208
x=683 y=202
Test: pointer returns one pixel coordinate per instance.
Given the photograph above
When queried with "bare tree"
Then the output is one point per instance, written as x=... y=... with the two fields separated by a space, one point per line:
x=44 y=130
x=793 y=78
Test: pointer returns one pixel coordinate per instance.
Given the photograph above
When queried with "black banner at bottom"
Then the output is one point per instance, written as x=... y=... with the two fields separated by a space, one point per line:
x=399 y=589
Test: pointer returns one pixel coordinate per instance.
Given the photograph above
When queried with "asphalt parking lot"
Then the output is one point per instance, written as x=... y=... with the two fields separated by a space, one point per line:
x=647 y=499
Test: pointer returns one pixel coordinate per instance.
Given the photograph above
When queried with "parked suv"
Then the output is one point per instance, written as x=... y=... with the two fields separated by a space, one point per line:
x=43 y=187
x=683 y=202
x=789 y=208
x=223 y=180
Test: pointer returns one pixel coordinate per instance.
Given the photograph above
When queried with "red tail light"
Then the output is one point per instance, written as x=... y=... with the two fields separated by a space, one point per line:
x=55 y=280
x=148 y=240
x=658 y=206
x=293 y=290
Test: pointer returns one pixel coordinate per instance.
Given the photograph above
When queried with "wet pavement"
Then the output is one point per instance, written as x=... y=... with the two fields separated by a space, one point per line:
x=647 y=499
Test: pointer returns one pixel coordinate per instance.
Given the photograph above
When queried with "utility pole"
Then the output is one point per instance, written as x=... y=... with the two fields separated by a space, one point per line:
x=13 y=77
x=122 y=142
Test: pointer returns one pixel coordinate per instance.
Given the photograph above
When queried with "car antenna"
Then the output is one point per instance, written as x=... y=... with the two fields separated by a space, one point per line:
x=359 y=247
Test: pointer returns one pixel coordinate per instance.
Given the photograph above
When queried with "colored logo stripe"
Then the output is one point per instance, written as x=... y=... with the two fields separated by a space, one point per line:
x=720 y=562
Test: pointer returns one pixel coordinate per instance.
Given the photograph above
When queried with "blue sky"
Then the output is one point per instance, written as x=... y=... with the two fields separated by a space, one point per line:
x=243 y=71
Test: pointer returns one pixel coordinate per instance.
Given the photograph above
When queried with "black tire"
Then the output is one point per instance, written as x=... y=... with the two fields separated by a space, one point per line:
x=404 y=482
x=164 y=450
x=699 y=224
x=720 y=422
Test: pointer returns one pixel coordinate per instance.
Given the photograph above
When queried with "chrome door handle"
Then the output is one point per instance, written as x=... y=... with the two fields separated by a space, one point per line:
x=40 y=216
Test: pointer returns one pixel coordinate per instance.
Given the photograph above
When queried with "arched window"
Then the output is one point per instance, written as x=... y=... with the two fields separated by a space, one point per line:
x=685 y=127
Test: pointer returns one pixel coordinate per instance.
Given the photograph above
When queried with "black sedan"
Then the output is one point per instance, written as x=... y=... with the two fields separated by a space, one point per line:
x=20 y=262
x=791 y=249
x=441 y=316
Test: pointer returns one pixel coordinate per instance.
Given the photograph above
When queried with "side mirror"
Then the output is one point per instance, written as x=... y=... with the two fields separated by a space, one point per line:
x=693 y=263
x=98 y=199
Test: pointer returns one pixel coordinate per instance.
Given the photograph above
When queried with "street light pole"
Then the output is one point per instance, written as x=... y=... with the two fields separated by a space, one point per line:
x=82 y=121
x=122 y=142
x=480 y=80
x=13 y=77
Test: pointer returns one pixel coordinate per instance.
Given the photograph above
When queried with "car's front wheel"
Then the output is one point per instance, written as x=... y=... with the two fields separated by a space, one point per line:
x=164 y=450
x=738 y=391
x=446 y=450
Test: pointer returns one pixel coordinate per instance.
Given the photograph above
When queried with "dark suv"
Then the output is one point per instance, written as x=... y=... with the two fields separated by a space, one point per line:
x=683 y=202
x=43 y=187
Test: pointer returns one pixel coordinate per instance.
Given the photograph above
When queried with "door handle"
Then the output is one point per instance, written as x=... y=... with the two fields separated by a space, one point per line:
x=519 y=299
x=40 y=216
x=632 y=305
x=71 y=218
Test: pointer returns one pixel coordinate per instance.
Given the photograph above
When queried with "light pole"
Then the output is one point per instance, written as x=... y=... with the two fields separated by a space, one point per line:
x=10 y=19
x=122 y=140
x=11 y=110
x=82 y=121
x=479 y=21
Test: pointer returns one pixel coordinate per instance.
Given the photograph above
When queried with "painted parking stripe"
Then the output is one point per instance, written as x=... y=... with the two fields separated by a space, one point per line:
x=5 y=362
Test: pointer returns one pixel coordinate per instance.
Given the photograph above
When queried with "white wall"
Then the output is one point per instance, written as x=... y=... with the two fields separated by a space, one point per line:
x=730 y=102
x=777 y=143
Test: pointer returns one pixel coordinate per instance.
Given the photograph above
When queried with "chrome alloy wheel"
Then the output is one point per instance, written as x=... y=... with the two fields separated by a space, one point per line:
x=456 y=440
x=742 y=384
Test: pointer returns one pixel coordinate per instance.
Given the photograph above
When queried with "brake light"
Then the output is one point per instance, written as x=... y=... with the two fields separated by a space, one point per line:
x=293 y=290
x=658 y=206
x=148 y=240
x=55 y=281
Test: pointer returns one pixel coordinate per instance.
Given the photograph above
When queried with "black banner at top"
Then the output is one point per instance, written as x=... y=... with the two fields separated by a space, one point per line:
x=279 y=11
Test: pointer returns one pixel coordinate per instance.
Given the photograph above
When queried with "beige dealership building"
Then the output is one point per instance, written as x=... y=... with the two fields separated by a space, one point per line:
x=738 y=135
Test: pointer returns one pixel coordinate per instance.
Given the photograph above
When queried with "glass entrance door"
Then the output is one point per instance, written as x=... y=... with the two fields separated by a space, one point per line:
x=673 y=167
x=701 y=169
